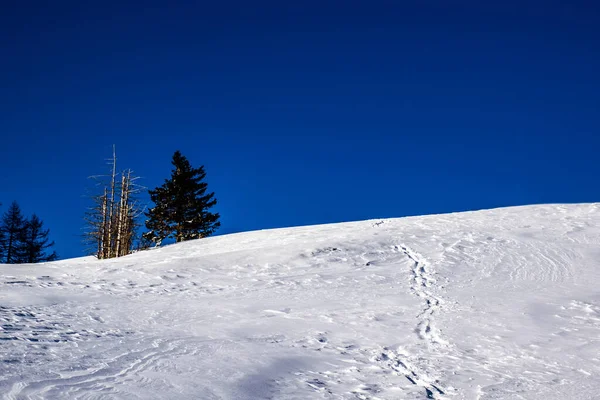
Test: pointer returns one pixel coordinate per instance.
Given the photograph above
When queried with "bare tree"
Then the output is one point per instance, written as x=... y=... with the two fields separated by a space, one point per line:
x=126 y=214
x=111 y=220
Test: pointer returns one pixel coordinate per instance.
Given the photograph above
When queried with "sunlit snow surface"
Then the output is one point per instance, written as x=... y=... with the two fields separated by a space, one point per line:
x=499 y=304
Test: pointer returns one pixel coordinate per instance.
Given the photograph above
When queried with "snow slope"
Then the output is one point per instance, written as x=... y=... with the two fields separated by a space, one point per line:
x=498 y=304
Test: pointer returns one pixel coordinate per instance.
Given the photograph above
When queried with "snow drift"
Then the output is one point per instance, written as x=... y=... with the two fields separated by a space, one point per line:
x=498 y=304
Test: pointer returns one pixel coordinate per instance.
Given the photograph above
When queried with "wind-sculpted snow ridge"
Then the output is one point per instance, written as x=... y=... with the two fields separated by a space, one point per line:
x=498 y=304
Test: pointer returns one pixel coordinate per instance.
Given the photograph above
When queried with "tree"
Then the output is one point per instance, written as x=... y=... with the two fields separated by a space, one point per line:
x=181 y=205
x=12 y=227
x=111 y=221
x=34 y=241
x=2 y=243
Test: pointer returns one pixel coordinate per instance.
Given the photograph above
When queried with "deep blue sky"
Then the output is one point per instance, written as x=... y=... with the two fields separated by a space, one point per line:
x=302 y=112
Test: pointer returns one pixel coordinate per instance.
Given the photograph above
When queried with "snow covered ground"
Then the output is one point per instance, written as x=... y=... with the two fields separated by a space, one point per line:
x=498 y=304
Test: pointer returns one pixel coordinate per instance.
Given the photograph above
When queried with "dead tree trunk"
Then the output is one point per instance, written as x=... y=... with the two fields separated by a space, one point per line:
x=111 y=222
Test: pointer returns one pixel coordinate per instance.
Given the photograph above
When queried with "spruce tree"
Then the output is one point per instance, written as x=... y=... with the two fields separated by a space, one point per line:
x=2 y=243
x=182 y=205
x=35 y=242
x=12 y=228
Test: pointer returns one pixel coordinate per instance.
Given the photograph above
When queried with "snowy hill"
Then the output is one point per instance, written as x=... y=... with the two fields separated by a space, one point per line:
x=499 y=304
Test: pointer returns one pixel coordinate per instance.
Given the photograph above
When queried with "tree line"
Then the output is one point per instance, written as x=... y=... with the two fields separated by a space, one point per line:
x=24 y=240
x=180 y=211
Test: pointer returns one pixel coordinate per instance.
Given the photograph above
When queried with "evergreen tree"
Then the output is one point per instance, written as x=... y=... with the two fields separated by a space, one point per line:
x=181 y=205
x=12 y=228
x=34 y=242
x=2 y=243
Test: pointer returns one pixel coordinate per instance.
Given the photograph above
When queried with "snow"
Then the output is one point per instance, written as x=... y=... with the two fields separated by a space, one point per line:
x=497 y=304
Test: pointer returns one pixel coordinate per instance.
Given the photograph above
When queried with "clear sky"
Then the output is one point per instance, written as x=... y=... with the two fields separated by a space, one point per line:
x=302 y=112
